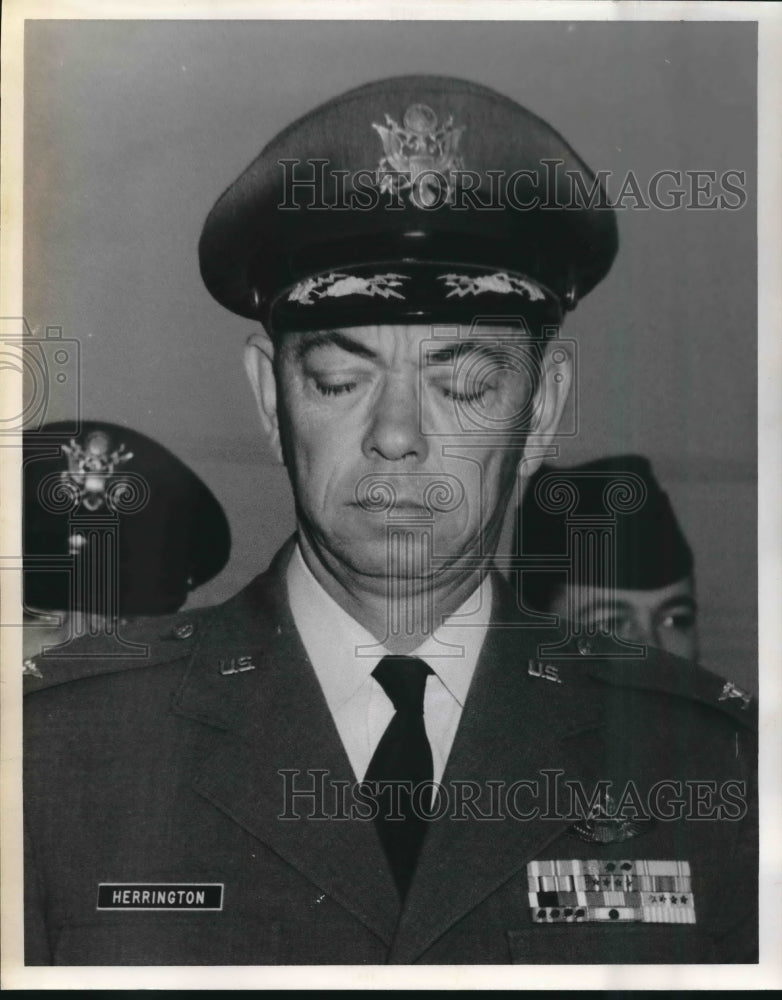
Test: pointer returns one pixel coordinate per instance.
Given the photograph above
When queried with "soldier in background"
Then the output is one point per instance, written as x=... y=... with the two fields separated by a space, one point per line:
x=647 y=595
x=115 y=527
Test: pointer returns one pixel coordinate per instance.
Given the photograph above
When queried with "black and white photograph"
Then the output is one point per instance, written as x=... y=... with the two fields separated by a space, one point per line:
x=381 y=584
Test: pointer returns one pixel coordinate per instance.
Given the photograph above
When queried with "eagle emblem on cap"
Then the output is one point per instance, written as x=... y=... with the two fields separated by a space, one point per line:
x=90 y=465
x=420 y=155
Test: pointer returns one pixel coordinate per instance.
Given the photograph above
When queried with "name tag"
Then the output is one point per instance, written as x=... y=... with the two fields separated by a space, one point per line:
x=160 y=896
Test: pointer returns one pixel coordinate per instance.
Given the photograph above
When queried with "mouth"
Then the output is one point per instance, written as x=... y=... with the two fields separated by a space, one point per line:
x=411 y=506
x=390 y=493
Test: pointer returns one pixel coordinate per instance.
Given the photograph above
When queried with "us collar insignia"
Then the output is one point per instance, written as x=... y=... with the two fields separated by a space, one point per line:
x=90 y=467
x=603 y=826
x=546 y=671
x=235 y=665
x=420 y=156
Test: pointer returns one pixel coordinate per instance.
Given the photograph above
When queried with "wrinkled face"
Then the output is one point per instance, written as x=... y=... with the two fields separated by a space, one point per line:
x=665 y=617
x=386 y=429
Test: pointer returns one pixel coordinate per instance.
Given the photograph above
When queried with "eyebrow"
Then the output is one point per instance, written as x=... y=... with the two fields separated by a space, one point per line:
x=333 y=338
x=593 y=608
x=444 y=353
x=447 y=352
x=677 y=602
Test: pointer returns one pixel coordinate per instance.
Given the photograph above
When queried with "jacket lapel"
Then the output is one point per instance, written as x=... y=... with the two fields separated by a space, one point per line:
x=275 y=718
x=514 y=727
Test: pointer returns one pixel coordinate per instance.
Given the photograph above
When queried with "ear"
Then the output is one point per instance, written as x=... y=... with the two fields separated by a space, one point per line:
x=259 y=364
x=556 y=377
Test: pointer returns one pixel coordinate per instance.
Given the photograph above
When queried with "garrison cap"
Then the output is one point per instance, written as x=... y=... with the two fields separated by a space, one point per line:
x=171 y=533
x=410 y=199
x=650 y=548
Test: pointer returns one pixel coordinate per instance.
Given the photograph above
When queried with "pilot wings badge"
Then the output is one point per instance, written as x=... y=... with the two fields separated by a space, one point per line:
x=604 y=824
x=421 y=156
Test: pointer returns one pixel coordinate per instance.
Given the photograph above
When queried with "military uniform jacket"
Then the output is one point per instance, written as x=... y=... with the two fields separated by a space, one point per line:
x=165 y=769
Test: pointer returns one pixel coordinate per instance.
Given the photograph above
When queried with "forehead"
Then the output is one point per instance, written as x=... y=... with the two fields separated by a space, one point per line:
x=640 y=600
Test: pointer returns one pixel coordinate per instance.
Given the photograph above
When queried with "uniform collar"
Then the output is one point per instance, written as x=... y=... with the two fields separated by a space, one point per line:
x=344 y=654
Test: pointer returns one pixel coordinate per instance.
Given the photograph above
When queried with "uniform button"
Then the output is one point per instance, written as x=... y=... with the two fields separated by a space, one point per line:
x=184 y=631
x=585 y=647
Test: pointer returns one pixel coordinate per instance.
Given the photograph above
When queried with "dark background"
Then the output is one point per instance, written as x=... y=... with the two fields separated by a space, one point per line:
x=132 y=130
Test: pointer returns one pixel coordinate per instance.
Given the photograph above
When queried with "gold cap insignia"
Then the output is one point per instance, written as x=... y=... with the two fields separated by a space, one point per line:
x=420 y=156
x=90 y=466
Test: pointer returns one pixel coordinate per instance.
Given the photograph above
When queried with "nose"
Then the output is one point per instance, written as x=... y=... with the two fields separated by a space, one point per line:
x=394 y=431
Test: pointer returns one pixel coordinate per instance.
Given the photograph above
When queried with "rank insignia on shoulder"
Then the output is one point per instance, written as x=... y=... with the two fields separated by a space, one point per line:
x=577 y=891
x=30 y=669
x=731 y=690
x=604 y=826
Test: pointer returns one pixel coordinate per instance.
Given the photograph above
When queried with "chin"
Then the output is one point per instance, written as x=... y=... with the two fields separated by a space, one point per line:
x=410 y=561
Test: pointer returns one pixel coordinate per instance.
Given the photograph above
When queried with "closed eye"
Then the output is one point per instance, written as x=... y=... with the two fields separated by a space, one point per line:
x=335 y=388
x=466 y=396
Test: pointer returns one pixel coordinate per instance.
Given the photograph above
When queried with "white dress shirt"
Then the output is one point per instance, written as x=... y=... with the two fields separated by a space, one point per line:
x=344 y=654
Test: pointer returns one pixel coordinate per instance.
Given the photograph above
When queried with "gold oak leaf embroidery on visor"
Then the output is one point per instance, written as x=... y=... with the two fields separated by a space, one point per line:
x=500 y=283
x=335 y=285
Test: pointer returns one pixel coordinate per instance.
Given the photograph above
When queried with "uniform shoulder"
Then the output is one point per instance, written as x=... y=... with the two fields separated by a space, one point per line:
x=662 y=676
x=137 y=643
x=153 y=641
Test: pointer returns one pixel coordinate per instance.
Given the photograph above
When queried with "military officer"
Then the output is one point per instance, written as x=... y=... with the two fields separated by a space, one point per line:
x=115 y=527
x=646 y=592
x=372 y=755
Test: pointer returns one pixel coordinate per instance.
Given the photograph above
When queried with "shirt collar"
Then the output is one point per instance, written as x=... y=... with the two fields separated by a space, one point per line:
x=344 y=654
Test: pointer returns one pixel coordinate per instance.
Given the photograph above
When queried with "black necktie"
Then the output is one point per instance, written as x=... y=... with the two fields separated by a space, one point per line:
x=403 y=756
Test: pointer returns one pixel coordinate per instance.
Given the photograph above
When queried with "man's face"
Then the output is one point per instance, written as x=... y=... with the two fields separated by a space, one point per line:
x=381 y=426
x=665 y=617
